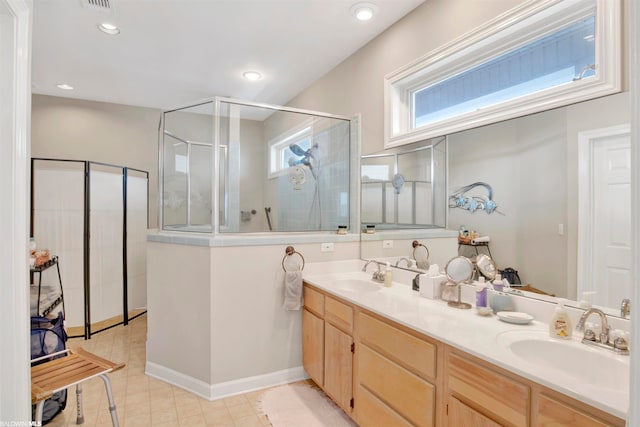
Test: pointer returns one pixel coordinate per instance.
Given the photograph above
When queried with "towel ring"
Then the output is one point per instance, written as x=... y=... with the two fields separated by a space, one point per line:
x=416 y=245
x=288 y=252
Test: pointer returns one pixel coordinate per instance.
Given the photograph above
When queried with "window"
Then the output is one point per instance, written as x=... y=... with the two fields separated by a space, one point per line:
x=281 y=156
x=541 y=57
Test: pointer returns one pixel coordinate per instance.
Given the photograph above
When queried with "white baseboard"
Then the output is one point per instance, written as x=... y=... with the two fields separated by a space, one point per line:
x=178 y=379
x=225 y=389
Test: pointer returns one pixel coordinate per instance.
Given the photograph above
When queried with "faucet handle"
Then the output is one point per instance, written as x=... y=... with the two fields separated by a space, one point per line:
x=620 y=344
x=589 y=335
x=625 y=308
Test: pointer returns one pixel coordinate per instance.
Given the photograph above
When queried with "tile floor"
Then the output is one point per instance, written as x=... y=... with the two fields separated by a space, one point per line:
x=144 y=401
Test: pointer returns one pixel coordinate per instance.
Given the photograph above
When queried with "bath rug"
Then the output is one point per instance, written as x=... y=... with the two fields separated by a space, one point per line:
x=301 y=405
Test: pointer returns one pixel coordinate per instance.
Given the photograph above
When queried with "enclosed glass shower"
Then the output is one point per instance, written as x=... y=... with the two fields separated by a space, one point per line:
x=230 y=166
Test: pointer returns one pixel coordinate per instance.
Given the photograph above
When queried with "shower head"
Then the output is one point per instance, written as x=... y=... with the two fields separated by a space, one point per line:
x=295 y=149
x=306 y=156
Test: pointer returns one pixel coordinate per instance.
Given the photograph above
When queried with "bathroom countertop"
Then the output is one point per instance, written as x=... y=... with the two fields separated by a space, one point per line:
x=467 y=331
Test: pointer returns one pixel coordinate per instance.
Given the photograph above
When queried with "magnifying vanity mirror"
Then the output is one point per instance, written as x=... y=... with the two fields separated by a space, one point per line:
x=459 y=270
x=486 y=266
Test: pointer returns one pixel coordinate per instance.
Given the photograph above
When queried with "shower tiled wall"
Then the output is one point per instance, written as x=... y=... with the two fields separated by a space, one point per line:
x=296 y=208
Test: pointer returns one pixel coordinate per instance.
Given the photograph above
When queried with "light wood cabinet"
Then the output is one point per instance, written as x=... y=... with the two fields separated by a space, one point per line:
x=338 y=362
x=313 y=346
x=400 y=377
x=392 y=367
x=374 y=412
x=482 y=394
x=550 y=412
x=499 y=397
x=327 y=345
x=460 y=415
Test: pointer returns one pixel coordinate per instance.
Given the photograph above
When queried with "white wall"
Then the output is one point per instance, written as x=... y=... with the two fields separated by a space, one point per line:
x=64 y=128
x=356 y=85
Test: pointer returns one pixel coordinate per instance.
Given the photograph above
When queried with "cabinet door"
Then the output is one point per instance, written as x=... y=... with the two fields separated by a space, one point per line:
x=313 y=346
x=338 y=368
x=460 y=415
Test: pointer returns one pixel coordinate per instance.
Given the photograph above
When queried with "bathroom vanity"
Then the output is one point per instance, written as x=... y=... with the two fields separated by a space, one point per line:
x=387 y=356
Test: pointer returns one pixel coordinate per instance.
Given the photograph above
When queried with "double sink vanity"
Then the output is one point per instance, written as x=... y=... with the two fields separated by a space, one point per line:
x=388 y=356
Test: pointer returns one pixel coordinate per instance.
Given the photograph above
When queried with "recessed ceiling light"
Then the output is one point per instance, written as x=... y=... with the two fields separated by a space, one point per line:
x=108 y=28
x=64 y=86
x=252 y=75
x=363 y=11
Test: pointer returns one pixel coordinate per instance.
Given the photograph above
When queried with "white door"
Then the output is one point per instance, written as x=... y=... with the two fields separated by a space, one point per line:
x=605 y=237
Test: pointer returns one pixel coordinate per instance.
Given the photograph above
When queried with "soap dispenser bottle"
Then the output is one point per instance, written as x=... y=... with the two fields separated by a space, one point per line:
x=481 y=292
x=560 y=324
x=388 y=278
x=497 y=283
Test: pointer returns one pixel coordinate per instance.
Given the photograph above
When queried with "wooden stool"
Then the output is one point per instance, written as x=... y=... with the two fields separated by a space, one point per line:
x=75 y=368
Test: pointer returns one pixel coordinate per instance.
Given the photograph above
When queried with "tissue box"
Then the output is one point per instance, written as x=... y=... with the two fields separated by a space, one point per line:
x=430 y=285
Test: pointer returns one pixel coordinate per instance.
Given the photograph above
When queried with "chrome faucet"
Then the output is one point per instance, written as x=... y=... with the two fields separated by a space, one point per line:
x=405 y=259
x=625 y=308
x=619 y=344
x=378 y=276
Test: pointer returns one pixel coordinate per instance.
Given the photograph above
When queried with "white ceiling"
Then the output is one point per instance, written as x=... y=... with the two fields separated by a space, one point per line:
x=173 y=52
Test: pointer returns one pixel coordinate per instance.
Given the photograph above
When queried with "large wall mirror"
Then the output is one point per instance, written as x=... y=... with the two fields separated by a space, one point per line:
x=563 y=236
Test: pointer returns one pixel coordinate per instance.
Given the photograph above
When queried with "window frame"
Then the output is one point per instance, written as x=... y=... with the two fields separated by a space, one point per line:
x=508 y=31
x=277 y=147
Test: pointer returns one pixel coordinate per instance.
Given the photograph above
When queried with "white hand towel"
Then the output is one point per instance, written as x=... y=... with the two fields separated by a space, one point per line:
x=423 y=265
x=292 y=290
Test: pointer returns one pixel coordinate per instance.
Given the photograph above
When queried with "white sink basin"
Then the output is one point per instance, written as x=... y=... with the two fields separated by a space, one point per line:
x=352 y=282
x=588 y=365
x=357 y=285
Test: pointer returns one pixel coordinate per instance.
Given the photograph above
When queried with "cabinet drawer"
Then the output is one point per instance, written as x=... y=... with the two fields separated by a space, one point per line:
x=554 y=413
x=314 y=301
x=403 y=391
x=373 y=412
x=417 y=355
x=489 y=391
x=338 y=314
x=460 y=415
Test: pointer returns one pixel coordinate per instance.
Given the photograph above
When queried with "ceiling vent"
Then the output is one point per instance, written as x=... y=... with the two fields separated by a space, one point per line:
x=104 y=6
